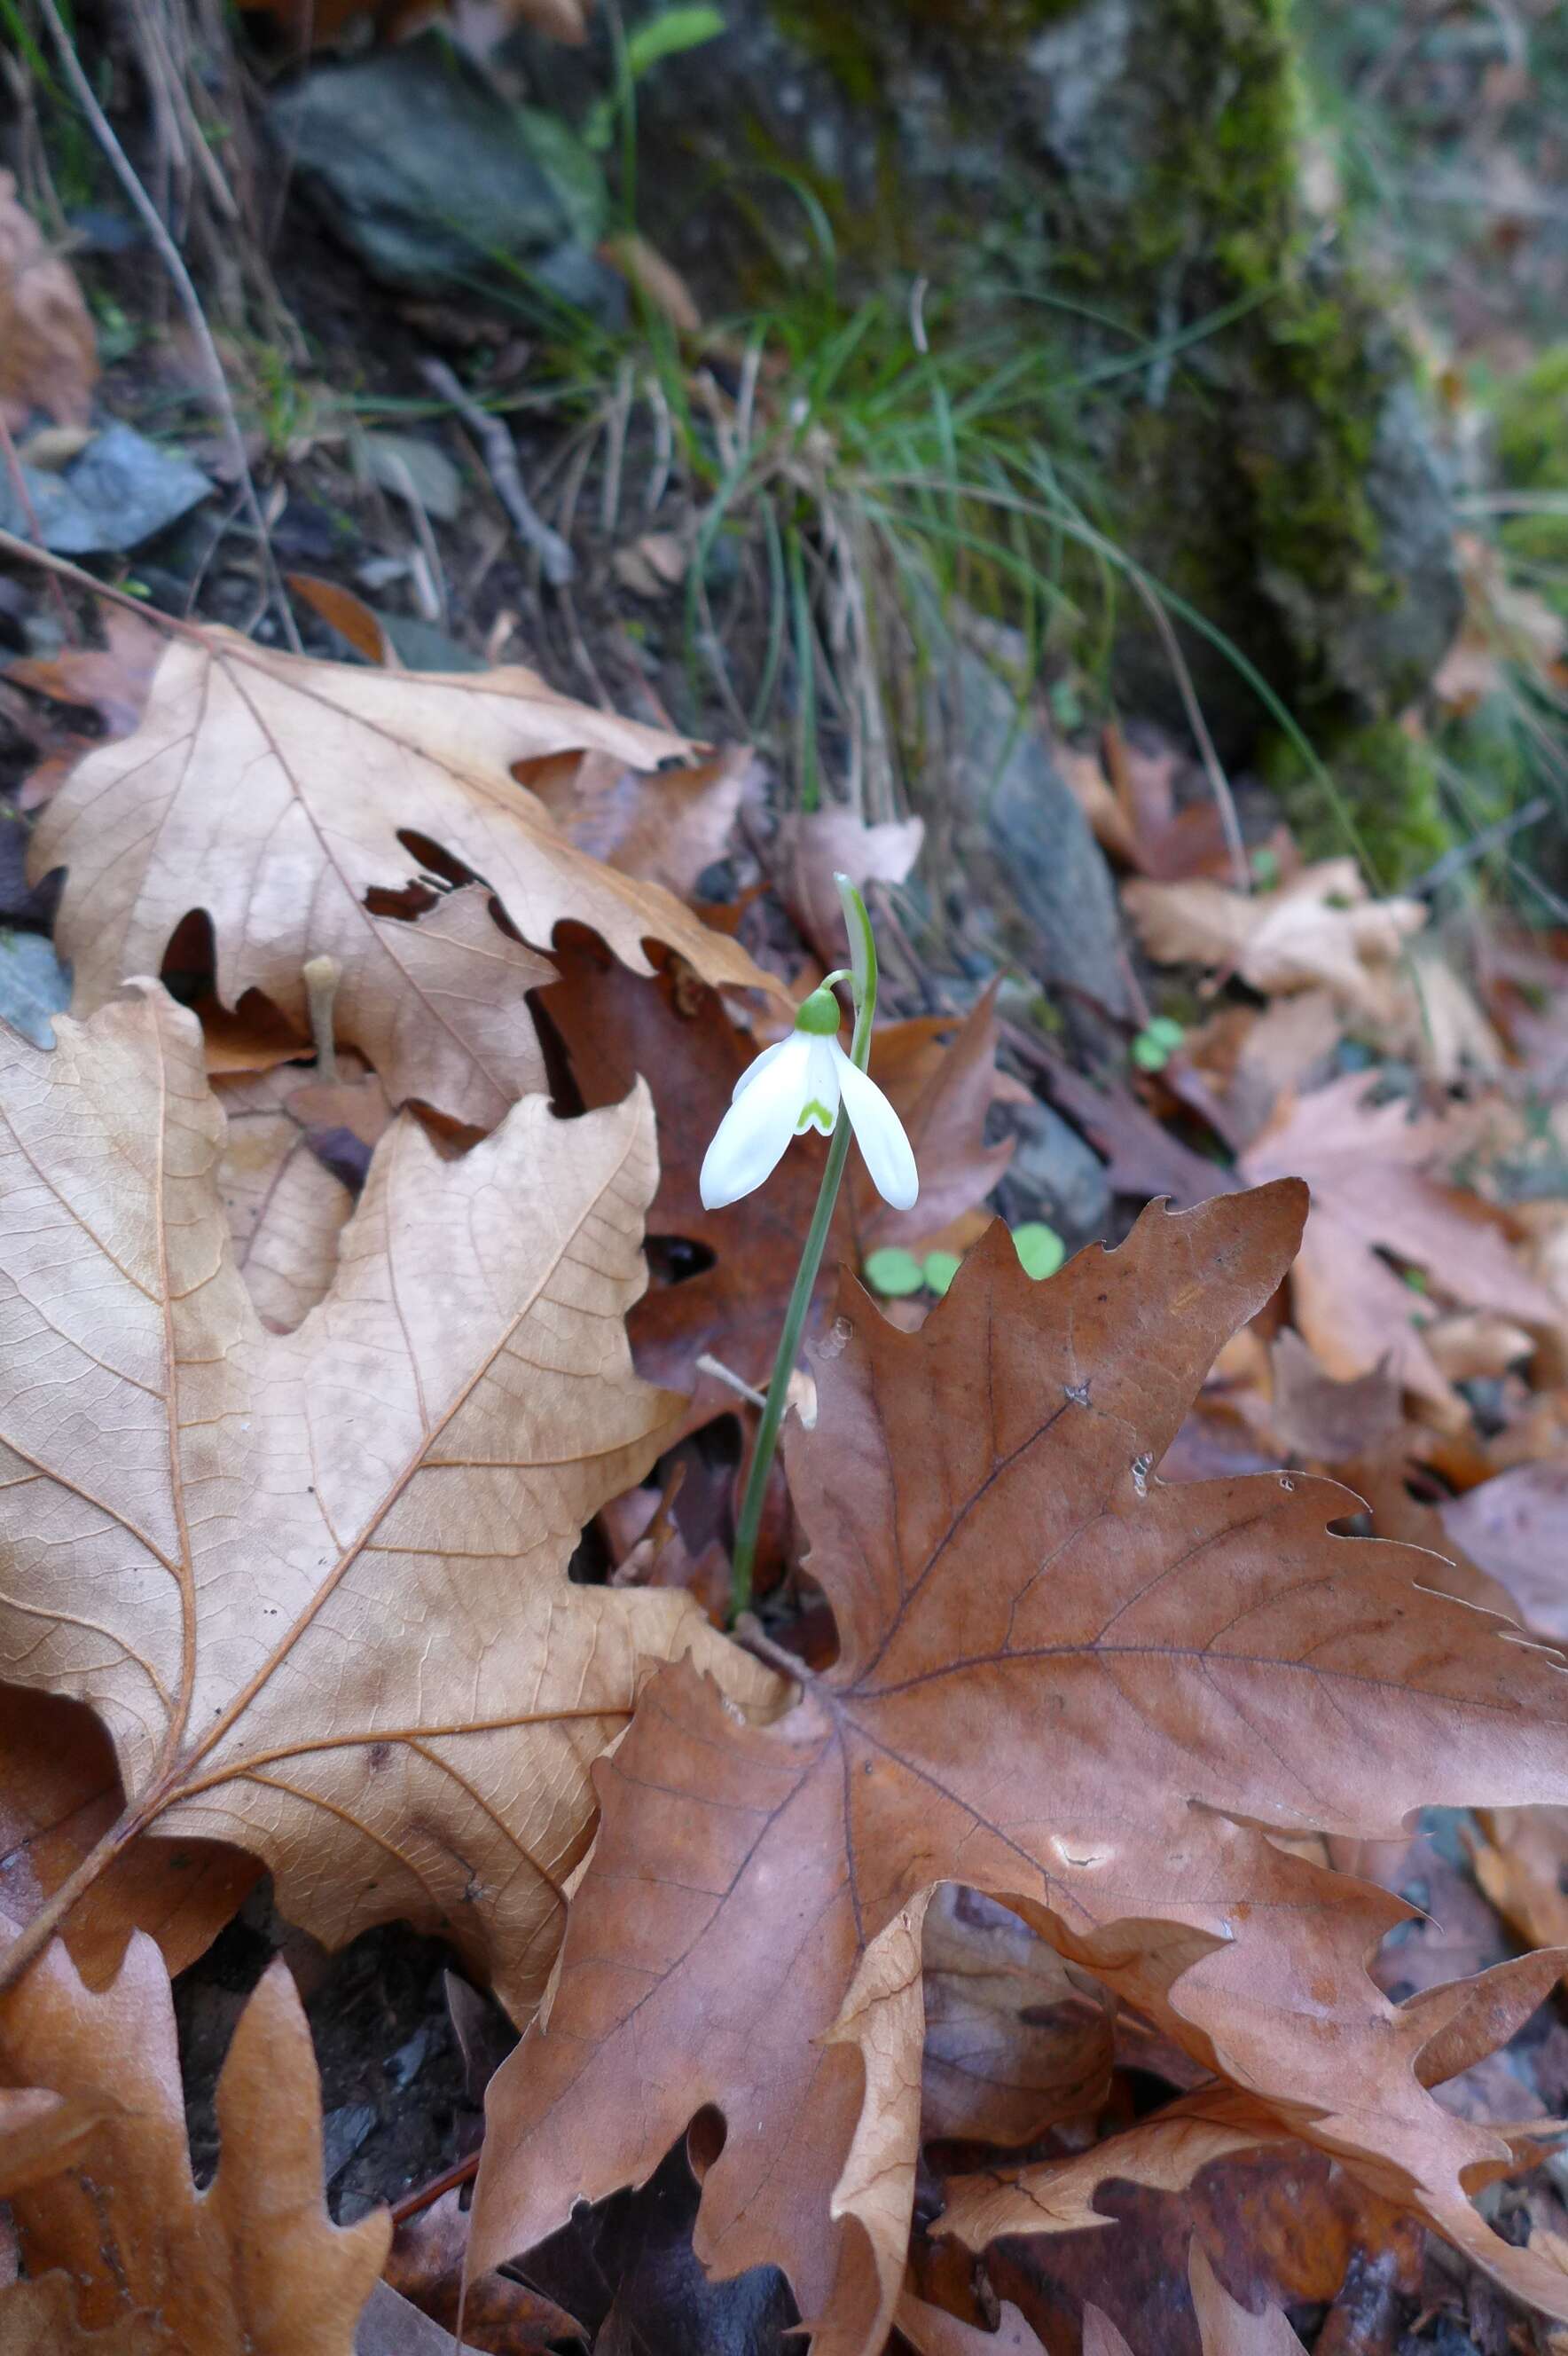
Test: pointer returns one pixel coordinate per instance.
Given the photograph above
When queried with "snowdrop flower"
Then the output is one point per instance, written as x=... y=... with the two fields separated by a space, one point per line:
x=798 y=1085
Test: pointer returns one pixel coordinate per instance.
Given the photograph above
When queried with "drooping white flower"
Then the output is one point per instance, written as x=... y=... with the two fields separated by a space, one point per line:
x=796 y=1086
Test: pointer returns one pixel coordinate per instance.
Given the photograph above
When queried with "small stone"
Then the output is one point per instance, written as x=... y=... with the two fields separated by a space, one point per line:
x=426 y=174
x=1053 y=1175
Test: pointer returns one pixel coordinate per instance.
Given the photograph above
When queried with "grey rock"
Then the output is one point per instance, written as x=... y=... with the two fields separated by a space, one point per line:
x=1022 y=820
x=1053 y=1175
x=342 y=2132
x=117 y=492
x=426 y=173
x=34 y=986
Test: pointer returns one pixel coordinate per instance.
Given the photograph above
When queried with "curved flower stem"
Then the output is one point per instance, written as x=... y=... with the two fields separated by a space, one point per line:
x=863 y=976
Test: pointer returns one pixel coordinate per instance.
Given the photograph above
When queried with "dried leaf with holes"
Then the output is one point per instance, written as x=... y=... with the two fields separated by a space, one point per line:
x=315 y=1583
x=48 y=353
x=940 y=1076
x=121 y=2251
x=1088 y=1694
x=352 y=777
x=1379 y=1183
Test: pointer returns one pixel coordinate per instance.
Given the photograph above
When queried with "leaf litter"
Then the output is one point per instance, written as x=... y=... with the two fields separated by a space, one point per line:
x=846 y=1972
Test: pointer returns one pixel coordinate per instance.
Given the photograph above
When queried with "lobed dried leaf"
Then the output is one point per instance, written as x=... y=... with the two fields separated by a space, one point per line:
x=314 y=1583
x=1089 y=1695
x=350 y=774
x=121 y=2251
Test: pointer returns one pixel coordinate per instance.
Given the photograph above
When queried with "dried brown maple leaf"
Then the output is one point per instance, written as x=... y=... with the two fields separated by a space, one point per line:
x=283 y=796
x=60 y=1795
x=1378 y=1180
x=314 y=1583
x=48 y=353
x=1064 y=1683
x=252 y=2266
x=939 y=1072
x=1466 y=2020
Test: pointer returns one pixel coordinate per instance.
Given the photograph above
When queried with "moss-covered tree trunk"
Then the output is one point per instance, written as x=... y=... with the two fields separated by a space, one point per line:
x=1137 y=171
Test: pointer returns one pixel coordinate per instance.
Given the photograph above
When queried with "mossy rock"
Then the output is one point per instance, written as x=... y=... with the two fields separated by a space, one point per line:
x=1386 y=801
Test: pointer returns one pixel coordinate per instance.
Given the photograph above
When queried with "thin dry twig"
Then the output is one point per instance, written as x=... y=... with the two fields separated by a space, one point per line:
x=191 y=303
x=556 y=558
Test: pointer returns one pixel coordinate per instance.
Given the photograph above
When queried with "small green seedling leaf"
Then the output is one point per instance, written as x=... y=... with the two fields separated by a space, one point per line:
x=1156 y=1042
x=1039 y=1249
x=893 y=1273
x=938 y=1270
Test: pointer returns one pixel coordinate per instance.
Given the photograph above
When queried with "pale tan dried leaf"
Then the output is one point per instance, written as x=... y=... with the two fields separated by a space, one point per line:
x=1165 y=2151
x=656 y=277
x=666 y=827
x=253 y=2267
x=338 y=764
x=1520 y=1862
x=651 y=566
x=1378 y=1179
x=42 y=2132
x=1318 y=930
x=932 y=2331
x=1101 y=2337
x=285 y=1209
x=1015 y=2039
x=48 y=353
x=1476 y=1344
x=812 y=846
x=1228 y=2329
x=315 y=1583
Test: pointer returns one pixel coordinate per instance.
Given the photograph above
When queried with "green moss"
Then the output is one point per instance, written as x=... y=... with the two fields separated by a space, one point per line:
x=1531 y=426
x=1531 y=423
x=1387 y=780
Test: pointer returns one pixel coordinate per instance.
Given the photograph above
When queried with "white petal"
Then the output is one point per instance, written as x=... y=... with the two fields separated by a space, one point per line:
x=753 y=1133
x=820 y=1088
x=880 y=1134
x=760 y=1063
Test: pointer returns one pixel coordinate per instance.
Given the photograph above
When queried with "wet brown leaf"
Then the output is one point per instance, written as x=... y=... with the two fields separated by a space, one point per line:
x=1082 y=1691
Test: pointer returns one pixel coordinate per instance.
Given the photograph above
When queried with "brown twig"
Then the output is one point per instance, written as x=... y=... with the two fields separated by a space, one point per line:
x=424 y=2196
x=191 y=303
x=556 y=559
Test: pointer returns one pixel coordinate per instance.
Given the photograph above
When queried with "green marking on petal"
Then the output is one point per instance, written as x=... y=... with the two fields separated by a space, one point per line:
x=814 y=1115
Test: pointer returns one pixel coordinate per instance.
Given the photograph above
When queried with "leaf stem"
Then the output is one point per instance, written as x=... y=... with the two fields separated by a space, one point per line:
x=863 y=953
